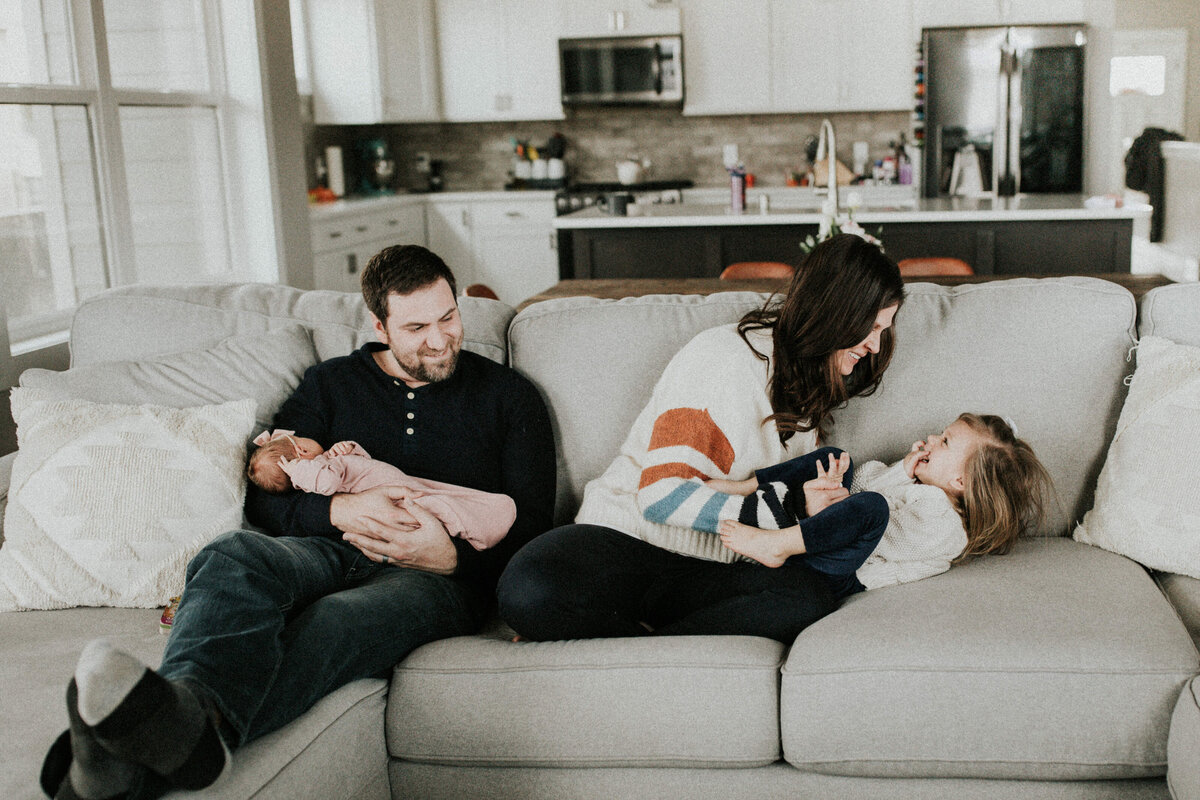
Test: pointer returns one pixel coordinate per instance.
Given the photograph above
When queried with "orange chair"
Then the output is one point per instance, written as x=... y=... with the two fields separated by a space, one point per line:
x=744 y=270
x=480 y=290
x=921 y=267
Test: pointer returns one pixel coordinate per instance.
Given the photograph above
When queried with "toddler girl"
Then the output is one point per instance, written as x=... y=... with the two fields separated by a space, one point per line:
x=969 y=491
x=283 y=461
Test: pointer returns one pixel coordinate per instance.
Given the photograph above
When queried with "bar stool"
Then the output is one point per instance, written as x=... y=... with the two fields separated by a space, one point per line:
x=919 y=267
x=744 y=270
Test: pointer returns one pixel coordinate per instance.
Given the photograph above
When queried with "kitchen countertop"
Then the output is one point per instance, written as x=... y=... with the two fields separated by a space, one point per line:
x=950 y=209
x=356 y=204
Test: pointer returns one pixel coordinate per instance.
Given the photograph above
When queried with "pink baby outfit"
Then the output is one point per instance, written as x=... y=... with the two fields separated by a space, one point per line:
x=482 y=518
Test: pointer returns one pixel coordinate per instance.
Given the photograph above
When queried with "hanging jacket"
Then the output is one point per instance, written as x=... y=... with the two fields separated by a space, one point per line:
x=1144 y=172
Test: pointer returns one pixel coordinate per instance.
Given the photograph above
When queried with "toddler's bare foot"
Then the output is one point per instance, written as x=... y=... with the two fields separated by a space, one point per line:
x=765 y=547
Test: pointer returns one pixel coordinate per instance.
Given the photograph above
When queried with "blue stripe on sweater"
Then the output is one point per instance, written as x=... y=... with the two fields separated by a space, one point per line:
x=659 y=512
x=707 y=519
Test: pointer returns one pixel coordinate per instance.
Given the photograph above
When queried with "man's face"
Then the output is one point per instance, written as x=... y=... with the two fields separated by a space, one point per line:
x=423 y=333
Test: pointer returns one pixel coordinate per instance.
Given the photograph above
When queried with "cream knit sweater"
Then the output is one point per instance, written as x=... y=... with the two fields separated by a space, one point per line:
x=924 y=533
x=704 y=420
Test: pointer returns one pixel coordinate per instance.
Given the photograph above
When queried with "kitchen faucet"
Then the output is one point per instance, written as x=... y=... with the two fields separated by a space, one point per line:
x=831 y=164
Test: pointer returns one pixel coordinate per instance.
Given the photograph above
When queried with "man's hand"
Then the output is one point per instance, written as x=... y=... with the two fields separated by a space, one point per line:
x=826 y=489
x=375 y=512
x=426 y=546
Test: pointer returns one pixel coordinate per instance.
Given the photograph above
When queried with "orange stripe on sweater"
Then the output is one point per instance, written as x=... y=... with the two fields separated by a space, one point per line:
x=694 y=428
x=676 y=469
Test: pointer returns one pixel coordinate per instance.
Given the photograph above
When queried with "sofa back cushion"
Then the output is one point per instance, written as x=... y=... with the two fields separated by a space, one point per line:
x=1050 y=354
x=136 y=322
x=1172 y=312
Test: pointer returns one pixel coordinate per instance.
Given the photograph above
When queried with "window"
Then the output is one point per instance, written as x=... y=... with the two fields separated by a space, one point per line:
x=117 y=150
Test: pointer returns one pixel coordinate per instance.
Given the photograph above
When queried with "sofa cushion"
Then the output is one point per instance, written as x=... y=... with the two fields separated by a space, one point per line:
x=109 y=502
x=1146 y=504
x=654 y=702
x=135 y=322
x=264 y=366
x=1183 y=775
x=1049 y=353
x=1172 y=312
x=336 y=749
x=596 y=362
x=1184 y=594
x=1058 y=661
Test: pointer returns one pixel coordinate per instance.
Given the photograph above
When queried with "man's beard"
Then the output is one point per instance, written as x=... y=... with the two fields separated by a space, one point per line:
x=419 y=370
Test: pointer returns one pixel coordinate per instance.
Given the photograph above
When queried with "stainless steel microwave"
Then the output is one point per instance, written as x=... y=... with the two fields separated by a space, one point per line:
x=626 y=70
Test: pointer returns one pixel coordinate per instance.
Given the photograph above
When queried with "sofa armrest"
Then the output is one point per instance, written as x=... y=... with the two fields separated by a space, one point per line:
x=6 y=463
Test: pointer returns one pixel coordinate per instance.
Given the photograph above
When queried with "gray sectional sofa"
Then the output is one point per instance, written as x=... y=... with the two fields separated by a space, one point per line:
x=1060 y=670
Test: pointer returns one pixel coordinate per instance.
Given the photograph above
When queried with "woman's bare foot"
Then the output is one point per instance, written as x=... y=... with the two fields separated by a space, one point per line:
x=769 y=548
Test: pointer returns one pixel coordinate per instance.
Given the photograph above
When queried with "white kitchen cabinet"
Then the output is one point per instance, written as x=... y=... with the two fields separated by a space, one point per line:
x=372 y=61
x=940 y=14
x=343 y=243
x=498 y=60
x=594 y=18
x=507 y=243
x=727 y=58
x=842 y=55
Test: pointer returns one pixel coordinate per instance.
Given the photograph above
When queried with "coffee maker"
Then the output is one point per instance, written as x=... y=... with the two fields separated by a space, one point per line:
x=378 y=167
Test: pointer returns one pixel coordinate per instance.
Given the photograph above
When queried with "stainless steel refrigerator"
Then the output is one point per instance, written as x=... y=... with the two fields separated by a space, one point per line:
x=1014 y=93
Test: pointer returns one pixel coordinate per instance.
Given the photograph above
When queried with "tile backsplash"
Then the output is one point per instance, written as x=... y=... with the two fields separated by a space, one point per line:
x=478 y=156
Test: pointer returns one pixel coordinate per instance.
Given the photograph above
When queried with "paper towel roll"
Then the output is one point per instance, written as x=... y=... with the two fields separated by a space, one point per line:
x=337 y=174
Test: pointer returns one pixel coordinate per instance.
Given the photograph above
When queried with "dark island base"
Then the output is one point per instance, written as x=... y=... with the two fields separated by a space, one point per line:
x=1060 y=247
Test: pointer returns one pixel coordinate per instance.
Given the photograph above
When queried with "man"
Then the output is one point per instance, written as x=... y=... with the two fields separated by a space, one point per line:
x=268 y=625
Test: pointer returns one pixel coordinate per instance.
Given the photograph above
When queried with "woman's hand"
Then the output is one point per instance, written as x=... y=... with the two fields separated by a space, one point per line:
x=826 y=489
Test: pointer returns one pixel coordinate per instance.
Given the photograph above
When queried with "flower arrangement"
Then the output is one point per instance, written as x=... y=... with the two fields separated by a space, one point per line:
x=832 y=224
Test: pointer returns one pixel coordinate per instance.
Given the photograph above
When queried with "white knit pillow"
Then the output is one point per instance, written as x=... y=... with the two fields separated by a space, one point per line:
x=1148 y=496
x=108 y=503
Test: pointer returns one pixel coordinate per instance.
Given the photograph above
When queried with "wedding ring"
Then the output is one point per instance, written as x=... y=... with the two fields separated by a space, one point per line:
x=386 y=560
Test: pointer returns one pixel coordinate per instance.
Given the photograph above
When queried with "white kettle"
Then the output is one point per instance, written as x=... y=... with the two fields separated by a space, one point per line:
x=630 y=171
x=966 y=176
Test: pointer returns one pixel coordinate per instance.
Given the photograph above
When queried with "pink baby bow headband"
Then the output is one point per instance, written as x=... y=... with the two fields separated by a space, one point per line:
x=267 y=436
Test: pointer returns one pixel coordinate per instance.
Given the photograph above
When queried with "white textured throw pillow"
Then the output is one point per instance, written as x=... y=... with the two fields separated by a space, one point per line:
x=1148 y=496
x=108 y=503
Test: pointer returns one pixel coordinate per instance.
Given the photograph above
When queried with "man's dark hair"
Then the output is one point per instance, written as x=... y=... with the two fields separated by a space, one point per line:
x=401 y=269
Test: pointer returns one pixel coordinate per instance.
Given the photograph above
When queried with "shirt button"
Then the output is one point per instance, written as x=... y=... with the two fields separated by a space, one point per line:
x=396 y=383
x=411 y=415
x=411 y=396
x=409 y=431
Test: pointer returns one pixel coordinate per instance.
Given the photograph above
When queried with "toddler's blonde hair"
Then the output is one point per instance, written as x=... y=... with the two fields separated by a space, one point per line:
x=1006 y=488
x=263 y=469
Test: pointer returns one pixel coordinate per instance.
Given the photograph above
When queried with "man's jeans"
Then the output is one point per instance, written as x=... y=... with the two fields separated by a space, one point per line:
x=269 y=625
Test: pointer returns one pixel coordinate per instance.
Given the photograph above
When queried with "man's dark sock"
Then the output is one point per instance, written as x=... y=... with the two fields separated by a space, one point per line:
x=76 y=766
x=138 y=715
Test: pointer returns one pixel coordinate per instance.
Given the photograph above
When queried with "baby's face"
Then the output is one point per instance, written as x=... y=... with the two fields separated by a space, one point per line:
x=306 y=448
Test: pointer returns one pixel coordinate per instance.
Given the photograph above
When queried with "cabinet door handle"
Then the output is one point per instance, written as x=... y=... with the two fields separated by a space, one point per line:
x=393 y=222
x=620 y=20
x=612 y=20
x=553 y=241
x=466 y=222
x=360 y=228
x=335 y=234
x=513 y=214
x=351 y=263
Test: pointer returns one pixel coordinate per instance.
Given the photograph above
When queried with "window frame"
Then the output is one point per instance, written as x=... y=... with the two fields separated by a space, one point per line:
x=93 y=90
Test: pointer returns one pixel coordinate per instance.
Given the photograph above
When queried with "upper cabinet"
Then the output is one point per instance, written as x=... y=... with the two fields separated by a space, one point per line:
x=726 y=63
x=588 y=18
x=499 y=59
x=842 y=55
x=964 y=13
x=372 y=61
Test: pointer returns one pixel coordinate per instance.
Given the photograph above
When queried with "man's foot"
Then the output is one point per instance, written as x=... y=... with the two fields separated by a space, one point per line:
x=765 y=547
x=137 y=715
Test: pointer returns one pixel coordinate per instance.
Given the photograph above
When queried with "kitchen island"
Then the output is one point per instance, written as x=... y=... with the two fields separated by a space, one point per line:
x=1043 y=234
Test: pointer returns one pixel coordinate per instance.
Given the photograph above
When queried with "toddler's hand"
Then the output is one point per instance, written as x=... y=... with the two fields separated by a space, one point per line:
x=914 y=455
x=826 y=489
x=341 y=449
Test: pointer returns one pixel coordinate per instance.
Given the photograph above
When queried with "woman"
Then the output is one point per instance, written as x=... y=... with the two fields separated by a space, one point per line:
x=644 y=553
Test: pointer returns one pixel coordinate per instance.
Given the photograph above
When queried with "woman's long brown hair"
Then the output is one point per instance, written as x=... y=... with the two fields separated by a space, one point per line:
x=831 y=304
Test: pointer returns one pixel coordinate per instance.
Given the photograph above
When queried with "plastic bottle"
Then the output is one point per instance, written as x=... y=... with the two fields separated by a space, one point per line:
x=737 y=187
